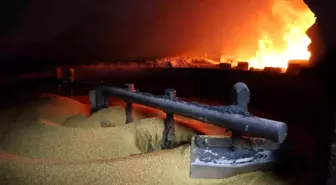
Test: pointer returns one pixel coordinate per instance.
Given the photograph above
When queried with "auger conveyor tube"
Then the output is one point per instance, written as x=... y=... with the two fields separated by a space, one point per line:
x=253 y=126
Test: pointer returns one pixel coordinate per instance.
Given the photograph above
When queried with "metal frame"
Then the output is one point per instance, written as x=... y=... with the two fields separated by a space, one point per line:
x=234 y=117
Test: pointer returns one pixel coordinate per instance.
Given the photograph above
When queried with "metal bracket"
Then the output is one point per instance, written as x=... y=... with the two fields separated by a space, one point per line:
x=222 y=157
x=97 y=100
x=168 y=138
x=129 y=106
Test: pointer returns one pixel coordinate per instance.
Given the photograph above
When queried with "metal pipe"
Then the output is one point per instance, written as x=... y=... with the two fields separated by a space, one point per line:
x=254 y=126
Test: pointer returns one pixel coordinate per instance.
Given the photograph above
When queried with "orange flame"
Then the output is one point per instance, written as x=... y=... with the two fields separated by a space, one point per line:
x=294 y=42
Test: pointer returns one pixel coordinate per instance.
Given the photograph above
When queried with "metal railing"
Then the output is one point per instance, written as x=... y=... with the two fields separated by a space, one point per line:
x=234 y=117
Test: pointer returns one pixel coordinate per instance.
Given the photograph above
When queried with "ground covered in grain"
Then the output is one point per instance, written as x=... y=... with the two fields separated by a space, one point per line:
x=53 y=140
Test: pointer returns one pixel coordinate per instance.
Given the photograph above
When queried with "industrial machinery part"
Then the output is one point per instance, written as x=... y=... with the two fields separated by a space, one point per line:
x=211 y=156
x=129 y=107
x=222 y=157
x=231 y=117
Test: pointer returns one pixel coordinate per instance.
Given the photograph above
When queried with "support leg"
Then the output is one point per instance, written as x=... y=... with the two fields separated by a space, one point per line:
x=129 y=107
x=168 y=139
x=97 y=101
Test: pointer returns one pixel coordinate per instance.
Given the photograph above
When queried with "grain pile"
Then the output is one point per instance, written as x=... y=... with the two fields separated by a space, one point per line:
x=109 y=117
x=52 y=141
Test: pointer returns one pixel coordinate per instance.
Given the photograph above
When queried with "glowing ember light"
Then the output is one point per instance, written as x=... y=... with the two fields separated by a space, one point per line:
x=294 y=42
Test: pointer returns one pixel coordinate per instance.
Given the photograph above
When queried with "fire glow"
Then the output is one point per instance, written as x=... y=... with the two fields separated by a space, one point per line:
x=293 y=44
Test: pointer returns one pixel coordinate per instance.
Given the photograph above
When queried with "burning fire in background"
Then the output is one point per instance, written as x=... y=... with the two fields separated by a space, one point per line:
x=283 y=36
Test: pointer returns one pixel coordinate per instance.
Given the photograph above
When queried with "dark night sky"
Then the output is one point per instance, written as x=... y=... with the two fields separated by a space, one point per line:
x=84 y=30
